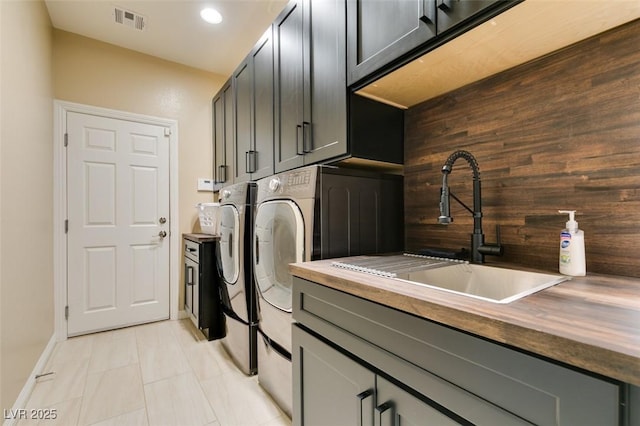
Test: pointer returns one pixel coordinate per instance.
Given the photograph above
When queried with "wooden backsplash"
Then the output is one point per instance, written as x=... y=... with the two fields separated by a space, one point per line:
x=559 y=133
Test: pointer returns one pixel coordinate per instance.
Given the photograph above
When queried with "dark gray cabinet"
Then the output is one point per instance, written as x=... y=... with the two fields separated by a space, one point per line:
x=253 y=113
x=426 y=371
x=455 y=12
x=310 y=83
x=385 y=34
x=382 y=31
x=223 y=135
x=333 y=389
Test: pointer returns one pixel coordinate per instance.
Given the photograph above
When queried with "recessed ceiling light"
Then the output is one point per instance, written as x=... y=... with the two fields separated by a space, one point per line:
x=211 y=15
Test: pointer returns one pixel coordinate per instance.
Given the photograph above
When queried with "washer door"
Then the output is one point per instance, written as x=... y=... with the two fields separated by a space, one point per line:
x=279 y=241
x=230 y=243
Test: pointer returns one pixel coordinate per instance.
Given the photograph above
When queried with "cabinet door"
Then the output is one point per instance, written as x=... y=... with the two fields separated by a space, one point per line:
x=383 y=30
x=288 y=35
x=328 y=387
x=398 y=407
x=242 y=82
x=261 y=161
x=325 y=107
x=454 y=12
x=229 y=141
x=220 y=160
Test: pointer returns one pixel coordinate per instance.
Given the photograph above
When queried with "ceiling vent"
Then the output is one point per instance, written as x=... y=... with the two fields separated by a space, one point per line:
x=130 y=19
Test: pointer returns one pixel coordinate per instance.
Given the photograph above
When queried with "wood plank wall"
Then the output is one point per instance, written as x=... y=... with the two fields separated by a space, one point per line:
x=562 y=132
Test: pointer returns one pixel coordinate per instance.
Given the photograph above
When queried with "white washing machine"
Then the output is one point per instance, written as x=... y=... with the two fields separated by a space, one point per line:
x=238 y=292
x=311 y=213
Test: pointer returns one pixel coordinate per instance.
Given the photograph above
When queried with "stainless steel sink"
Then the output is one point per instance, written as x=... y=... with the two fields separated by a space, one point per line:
x=497 y=285
x=489 y=283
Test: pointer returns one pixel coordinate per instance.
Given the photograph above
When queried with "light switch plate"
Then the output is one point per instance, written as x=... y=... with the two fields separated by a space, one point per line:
x=205 y=184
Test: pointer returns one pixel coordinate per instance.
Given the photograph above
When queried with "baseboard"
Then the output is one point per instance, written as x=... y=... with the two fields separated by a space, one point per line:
x=27 y=389
x=182 y=314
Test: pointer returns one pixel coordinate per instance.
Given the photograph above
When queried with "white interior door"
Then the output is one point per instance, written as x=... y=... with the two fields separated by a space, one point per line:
x=118 y=212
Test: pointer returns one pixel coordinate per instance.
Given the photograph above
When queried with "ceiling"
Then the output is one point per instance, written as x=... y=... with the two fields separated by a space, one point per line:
x=173 y=29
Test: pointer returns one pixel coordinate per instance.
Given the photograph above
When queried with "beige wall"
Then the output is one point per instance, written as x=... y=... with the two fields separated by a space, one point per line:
x=26 y=201
x=100 y=74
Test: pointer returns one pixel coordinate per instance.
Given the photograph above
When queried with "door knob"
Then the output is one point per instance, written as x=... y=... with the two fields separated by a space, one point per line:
x=162 y=234
x=162 y=220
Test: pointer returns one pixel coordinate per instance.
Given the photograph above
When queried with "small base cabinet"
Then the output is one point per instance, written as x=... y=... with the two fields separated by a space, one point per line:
x=202 y=285
x=356 y=362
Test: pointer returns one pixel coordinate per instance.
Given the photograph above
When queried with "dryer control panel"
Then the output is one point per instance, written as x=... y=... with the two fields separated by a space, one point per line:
x=295 y=184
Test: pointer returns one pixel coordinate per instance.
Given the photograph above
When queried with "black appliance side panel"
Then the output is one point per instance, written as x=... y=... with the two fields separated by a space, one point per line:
x=250 y=286
x=358 y=213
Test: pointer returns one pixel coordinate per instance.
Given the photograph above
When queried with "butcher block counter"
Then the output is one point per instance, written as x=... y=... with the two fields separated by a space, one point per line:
x=590 y=322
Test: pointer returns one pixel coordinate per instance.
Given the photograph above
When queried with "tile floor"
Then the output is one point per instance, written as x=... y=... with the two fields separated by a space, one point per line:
x=164 y=373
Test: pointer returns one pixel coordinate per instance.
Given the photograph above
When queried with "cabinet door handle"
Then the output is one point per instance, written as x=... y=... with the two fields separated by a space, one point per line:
x=222 y=174
x=299 y=149
x=189 y=275
x=445 y=5
x=250 y=159
x=307 y=144
x=257 y=250
x=428 y=15
x=365 y=413
x=384 y=414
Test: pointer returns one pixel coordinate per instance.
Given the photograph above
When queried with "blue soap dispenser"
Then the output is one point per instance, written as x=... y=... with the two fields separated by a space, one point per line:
x=572 y=257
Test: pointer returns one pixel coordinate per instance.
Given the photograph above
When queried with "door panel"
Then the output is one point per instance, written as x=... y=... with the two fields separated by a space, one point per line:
x=118 y=189
x=279 y=241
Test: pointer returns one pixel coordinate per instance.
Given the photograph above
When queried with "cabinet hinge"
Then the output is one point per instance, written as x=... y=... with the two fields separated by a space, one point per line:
x=66 y=312
x=66 y=226
x=66 y=139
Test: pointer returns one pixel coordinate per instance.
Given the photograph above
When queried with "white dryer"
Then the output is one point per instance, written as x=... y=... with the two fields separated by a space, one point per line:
x=238 y=293
x=311 y=213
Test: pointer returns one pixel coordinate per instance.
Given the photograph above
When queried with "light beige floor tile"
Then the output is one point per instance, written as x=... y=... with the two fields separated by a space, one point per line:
x=113 y=350
x=66 y=383
x=280 y=421
x=72 y=349
x=223 y=359
x=187 y=334
x=134 y=418
x=64 y=413
x=159 y=362
x=239 y=400
x=156 y=333
x=112 y=393
x=203 y=362
x=177 y=401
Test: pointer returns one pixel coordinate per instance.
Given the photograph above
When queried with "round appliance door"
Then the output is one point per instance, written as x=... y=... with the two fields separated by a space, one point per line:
x=230 y=243
x=279 y=241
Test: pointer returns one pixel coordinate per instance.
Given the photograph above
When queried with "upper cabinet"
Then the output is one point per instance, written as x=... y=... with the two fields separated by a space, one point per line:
x=310 y=83
x=384 y=34
x=253 y=113
x=383 y=31
x=223 y=135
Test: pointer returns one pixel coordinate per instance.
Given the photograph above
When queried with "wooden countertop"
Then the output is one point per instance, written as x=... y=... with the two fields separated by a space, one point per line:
x=201 y=238
x=590 y=322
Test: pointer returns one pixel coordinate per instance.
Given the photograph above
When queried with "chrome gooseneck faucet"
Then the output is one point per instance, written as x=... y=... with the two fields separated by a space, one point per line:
x=478 y=248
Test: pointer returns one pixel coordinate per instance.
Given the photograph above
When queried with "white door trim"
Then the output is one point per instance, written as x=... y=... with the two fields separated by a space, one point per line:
x=60 y=109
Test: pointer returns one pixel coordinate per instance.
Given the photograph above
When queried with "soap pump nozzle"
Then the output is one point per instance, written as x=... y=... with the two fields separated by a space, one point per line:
x=571 y=224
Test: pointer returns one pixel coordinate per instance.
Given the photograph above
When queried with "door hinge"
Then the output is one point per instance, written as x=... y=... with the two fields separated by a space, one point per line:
x=66 y=312
x=167 y=131
x=66 y=139
x=66 y=226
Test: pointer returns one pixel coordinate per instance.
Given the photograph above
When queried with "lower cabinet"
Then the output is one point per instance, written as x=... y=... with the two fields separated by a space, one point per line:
x=356 y=362
x=333 y=389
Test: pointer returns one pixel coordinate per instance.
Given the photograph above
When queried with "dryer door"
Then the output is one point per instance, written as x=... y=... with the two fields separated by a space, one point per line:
x=279 y=241
x=230 y=243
